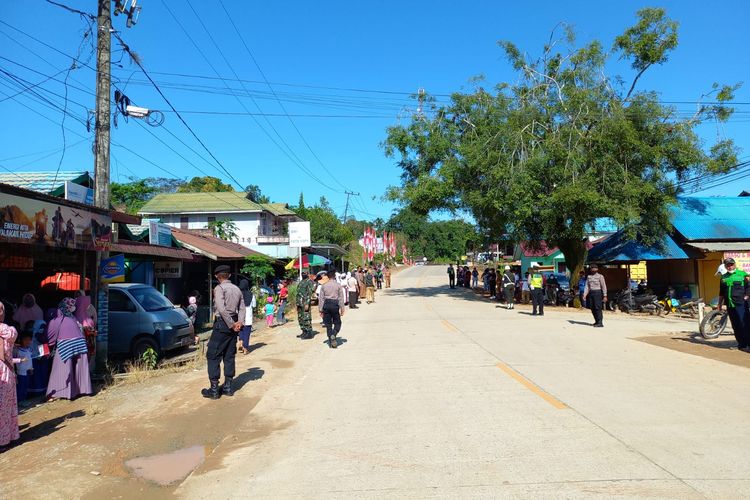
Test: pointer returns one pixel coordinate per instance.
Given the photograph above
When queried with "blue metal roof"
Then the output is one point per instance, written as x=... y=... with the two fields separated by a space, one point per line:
x=712 y=218
x=44 y=182
x=617 y=248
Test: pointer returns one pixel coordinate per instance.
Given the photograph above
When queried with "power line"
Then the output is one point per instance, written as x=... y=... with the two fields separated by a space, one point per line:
x=265 y=79
x=290 y=153
x=169 y=103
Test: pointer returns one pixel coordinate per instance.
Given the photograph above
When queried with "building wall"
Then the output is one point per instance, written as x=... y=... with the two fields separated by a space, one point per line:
x=708 y=283
x=662 y=273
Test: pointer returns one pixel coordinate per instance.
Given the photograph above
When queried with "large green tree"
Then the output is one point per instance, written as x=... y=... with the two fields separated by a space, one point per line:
x=255 y=194
x=131 y=196
x=563 y=144
x=325 y=226
x=206 y=184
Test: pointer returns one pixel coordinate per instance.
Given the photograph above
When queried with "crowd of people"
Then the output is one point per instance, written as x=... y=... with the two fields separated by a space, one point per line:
x=734 y=291
x=44 y=353
x=333 y=292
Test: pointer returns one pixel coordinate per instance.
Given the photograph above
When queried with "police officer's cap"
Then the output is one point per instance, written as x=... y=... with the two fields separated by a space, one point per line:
x=594 y=266
x=222 y=269
x=320 y=275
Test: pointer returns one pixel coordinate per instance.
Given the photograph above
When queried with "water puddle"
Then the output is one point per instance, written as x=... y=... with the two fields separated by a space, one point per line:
x=168 y=468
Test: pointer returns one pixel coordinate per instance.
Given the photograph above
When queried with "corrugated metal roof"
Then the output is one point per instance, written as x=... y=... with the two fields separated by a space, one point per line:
x=191 y=203
x=211 y=247
x=44 y=182
x=137 y=248
x=196 y=203
x=617 y=248
x=721 y=246
x=713 y=218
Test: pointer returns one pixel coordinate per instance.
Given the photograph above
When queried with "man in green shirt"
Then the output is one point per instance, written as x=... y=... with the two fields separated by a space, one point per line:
x=305 y=292
x=734 y=291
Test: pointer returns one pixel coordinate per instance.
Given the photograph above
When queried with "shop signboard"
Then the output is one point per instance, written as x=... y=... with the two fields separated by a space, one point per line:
x=168 y=269
x=742 y=259
x=159 y=234
x=78 y=193
x=112 y=270
x=35 y=222
x=299 y=234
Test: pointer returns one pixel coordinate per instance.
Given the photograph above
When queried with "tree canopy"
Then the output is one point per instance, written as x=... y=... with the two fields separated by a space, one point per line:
x=254 y=194
x=206 y=184
x=563 y=144
x=131 y=196
x=325 y=226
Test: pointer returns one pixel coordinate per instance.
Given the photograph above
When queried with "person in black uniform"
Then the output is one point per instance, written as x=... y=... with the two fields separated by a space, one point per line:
x=229 y=317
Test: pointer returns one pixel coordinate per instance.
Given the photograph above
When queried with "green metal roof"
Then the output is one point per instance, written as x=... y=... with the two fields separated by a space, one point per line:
x=175 y=203
x=279 y=209
x=191 y=203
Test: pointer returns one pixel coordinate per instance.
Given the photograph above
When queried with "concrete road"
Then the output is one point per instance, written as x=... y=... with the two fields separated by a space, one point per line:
x=438 y=394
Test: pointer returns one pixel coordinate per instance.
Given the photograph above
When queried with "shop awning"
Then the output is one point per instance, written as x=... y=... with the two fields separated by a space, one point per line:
x=137 y=248
x=308 y=260
x=211 y=247
x=721 y=246
x=618 y=248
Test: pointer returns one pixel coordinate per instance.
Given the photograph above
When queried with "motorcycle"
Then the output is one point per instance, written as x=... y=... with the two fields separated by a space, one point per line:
x=688 y=307
x=565 y=298
x=627 y=302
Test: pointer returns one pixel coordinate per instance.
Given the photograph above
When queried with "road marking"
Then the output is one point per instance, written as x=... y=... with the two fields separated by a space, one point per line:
x=449 y=326
x=532 y=387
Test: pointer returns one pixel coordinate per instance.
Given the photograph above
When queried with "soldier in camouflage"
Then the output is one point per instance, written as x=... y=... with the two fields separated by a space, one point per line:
x=305 y=292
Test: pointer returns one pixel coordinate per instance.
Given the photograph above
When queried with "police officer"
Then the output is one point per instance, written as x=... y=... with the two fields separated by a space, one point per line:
x=536 y=285
x=596 y=290
x=229 y=316
x=734 y=291
x=305 y=292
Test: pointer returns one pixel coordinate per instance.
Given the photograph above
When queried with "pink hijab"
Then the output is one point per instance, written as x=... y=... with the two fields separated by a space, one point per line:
x=82 y=311
x=25 y=314
x=7 y=337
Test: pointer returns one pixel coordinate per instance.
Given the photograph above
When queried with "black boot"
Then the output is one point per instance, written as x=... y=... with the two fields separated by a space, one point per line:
x=226 y=389
x=212 y=392
x=332 y=342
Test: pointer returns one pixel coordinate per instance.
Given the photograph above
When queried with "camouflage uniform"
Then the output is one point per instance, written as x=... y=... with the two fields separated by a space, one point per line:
x=305 y=292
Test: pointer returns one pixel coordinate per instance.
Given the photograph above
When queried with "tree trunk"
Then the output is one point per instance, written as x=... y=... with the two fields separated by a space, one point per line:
x=575 y=253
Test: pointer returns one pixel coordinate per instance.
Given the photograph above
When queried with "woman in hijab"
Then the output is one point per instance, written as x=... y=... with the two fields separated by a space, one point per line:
x=70 y=366
x=85 y=314
x=249 y=299
x=28 y=311
x=8 y=402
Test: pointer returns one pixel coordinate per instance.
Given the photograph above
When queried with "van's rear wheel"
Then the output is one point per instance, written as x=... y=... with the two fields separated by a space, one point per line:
x=142 y=345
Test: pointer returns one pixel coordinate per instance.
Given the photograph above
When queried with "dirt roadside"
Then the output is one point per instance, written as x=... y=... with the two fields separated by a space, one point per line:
x=78 y=449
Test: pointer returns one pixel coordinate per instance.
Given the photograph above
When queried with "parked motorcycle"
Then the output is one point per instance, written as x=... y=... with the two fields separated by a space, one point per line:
x=687 y=307
x=565 y=298
x=627 y=302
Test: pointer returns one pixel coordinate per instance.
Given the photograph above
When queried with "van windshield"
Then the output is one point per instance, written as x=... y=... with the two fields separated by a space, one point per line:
x=150 y=299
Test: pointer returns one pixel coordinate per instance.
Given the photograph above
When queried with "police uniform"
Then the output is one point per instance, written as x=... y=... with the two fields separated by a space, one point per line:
x=595 y=291
x=229 y=310
x=536 y=284
x=305 y=292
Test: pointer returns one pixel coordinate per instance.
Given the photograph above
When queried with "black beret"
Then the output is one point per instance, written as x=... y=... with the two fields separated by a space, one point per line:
x=222 y=269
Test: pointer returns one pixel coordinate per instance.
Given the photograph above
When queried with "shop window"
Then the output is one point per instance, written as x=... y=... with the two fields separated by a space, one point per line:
x=119 y=302
x=184 y=222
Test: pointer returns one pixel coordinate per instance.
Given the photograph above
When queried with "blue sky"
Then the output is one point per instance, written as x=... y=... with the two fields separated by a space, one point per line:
x=390 y=47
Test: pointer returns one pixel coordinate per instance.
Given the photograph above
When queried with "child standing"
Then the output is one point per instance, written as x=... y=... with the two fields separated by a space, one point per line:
x=270 y=311
x=25 y=368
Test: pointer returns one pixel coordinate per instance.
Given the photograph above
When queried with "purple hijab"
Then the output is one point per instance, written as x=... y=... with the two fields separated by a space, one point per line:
x=64 y=326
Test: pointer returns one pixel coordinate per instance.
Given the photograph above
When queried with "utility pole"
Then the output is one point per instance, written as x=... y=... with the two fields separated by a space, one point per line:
x=346 y=209
x=101 y=163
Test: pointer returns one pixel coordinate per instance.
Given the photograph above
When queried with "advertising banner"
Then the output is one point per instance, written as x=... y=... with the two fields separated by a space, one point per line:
x=30 y=221
x=159 y=234
x=81 y=194
x=112 y=270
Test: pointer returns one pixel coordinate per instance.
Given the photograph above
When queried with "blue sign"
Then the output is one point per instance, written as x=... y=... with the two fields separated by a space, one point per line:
x=112 y=270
